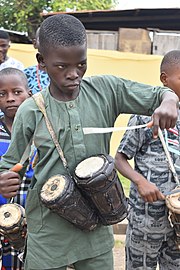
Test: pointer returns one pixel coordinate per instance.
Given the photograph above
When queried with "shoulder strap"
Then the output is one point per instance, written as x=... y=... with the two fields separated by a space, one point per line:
x=38 y=98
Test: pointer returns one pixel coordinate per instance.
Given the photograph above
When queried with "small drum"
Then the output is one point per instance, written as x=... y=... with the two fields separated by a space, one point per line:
x=97 y=178
x=173 y=204
x=13 y=224
x=61 y=195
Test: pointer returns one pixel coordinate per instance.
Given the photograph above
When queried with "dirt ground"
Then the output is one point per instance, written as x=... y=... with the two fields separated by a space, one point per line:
x=119 y=253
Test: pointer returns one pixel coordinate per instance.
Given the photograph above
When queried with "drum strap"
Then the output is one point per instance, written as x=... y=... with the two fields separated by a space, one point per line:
x=38 y=98
x=171 y=165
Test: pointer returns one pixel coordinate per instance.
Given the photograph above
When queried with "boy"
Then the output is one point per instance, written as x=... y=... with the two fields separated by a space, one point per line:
x=149 y=237
x=6 y=61
x=71 y=104
x=13 y=91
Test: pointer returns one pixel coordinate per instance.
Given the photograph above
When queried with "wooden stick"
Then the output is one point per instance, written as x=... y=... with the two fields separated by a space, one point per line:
x=17 y=167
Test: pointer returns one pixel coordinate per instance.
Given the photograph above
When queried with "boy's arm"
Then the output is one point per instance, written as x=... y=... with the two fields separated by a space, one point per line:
x=148 y=191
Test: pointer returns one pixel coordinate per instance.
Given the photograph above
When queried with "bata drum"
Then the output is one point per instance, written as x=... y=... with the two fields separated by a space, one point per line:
x=61 y=195
x=97 y=178
x=173 y=204
x=13 y=224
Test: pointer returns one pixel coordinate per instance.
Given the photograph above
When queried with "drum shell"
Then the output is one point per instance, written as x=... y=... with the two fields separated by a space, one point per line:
x=173 y=204
x=14 y=232
x=175 y=220
x=72 y=206
x=105 y=192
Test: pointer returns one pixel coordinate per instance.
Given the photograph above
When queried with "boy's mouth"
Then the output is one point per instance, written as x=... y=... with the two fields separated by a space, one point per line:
x=72 y=86
x=11 y=107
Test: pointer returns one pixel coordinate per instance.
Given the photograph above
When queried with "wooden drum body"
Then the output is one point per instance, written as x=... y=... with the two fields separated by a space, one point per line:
x=61 y=195
x=13 y=224
x=173 y=204
x=97 y=178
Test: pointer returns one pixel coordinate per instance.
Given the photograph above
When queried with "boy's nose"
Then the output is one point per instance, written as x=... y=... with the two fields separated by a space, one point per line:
x=72 y=74
x=10 y=98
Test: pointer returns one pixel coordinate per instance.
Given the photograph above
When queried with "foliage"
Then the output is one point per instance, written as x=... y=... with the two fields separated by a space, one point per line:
x=125 y=183
x=24 y=16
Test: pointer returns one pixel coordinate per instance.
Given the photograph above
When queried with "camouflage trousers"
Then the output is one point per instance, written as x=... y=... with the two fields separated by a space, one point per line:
x=146 y=251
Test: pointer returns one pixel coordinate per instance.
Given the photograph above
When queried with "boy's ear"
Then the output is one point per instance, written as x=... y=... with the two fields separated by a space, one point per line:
x=40 y=60
x=30 y=93
x=163 y=78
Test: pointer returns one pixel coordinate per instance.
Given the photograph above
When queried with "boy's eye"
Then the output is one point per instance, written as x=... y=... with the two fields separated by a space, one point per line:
x=17 y=92
x=81 y=65
x=61 y=66
x=2 y=94
x=4 y=46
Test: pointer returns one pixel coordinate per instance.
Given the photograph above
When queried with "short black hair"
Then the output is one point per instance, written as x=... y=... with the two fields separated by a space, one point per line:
x=170 y=59
x=61 y=30
x=14 y=71
x=4 y=35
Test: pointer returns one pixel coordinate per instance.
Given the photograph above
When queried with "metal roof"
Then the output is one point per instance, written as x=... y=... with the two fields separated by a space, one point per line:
x=17 y=37
x=163 y=19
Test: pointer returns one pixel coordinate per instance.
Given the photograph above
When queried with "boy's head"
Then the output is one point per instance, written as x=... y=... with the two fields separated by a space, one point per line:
x=4 y=45
x=61 y=30
x=170 y=71
x=63 y=52
x=13 y=90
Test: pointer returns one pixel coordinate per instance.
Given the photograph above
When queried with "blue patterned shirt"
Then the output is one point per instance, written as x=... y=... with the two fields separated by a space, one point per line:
x=37 y=78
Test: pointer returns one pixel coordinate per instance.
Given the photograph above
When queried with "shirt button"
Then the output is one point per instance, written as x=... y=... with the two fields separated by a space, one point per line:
x=71 y=105
x=76 y=128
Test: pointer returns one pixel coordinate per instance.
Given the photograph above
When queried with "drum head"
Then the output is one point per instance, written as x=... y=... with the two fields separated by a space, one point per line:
x=54 y=188
x=175 y=201
x=10 y=215
x=89 y=166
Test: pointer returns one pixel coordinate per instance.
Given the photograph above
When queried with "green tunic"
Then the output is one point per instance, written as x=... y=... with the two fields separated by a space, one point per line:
x=53 y=241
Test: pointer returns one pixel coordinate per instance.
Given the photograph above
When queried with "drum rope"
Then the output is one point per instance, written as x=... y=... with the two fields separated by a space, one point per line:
x=171 y=165
x=93 y=130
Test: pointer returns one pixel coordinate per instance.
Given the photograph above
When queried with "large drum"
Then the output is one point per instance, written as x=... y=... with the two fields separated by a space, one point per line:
x=61 y=195
x=13 y=224
x=173 y=204
x=97 y=178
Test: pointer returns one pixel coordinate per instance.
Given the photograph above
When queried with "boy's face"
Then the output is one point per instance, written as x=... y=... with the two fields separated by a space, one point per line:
x=4 y=46
x=66 y=67
x=12 y=93
x=171 y=79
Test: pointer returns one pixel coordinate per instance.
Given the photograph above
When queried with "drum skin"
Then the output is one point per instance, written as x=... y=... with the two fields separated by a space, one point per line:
x=97 y=178
x=13 y=224
x=61 y=195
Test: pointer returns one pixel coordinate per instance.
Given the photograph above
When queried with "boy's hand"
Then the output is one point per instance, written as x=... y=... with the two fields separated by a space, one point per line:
x=9 y=184
x=165 y=116
x=149 y=192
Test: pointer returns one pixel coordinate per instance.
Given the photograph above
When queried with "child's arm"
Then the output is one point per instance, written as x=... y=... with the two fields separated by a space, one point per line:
x=148 y=191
